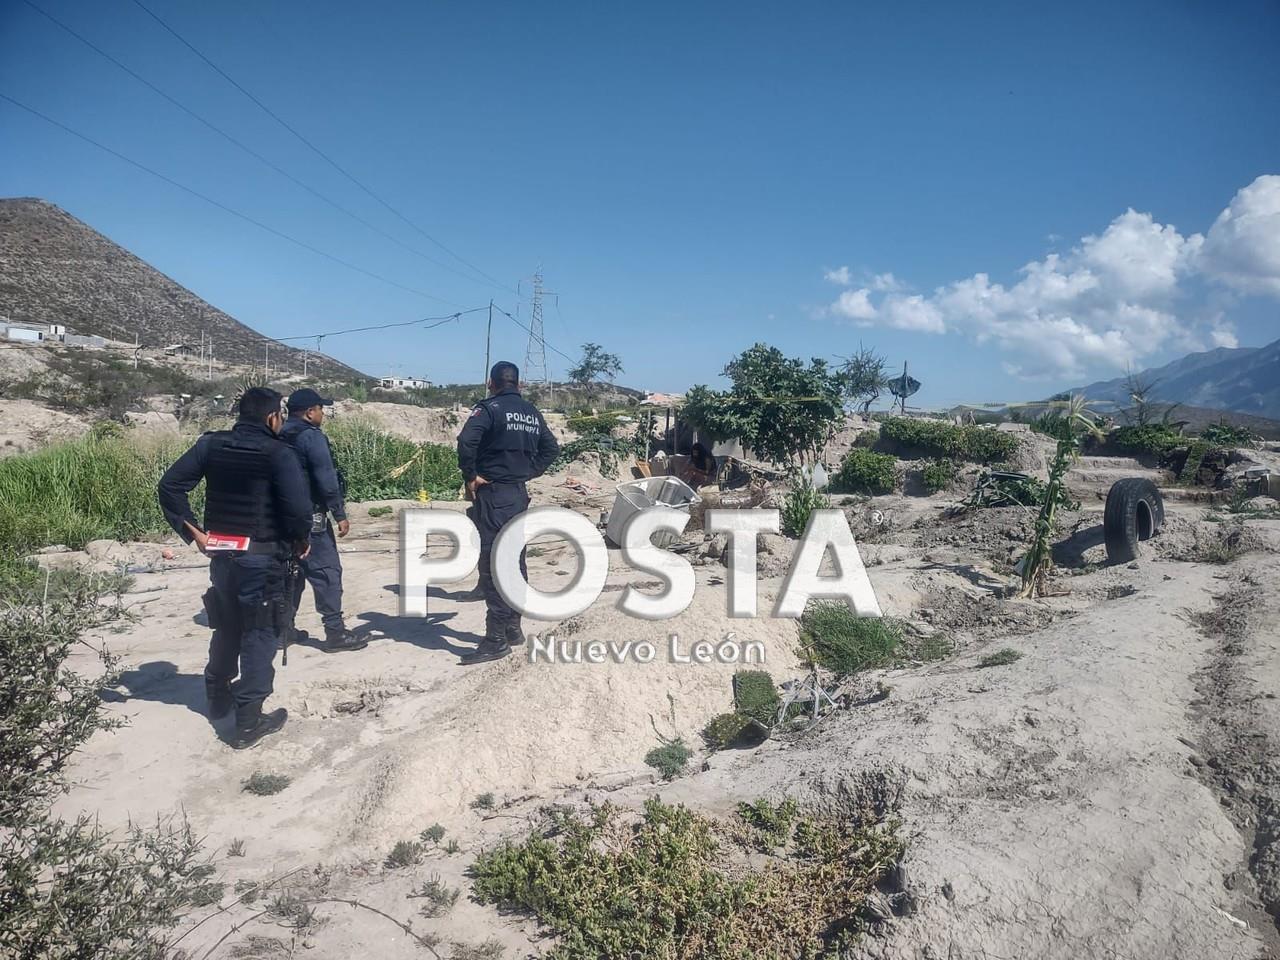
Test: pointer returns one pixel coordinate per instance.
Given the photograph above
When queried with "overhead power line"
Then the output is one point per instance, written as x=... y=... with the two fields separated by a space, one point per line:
x=222 y=206
x=254 y=153
x=312 y=147
x=550 y=346
x=440 y=321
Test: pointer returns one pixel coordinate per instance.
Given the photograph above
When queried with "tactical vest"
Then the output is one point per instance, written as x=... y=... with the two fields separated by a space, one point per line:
x=238 y=496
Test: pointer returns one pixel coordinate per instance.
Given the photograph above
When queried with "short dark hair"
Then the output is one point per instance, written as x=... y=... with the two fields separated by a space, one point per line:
x=258 y=403
x=505 y=374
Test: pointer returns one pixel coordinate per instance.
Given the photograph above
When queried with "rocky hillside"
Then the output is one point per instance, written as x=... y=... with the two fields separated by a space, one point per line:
x=1243 y=379
x=55 y=269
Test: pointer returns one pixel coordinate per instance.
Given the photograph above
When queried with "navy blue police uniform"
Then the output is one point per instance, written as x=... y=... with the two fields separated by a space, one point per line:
x=321 y=567
x=506 y=441
x=254 y=488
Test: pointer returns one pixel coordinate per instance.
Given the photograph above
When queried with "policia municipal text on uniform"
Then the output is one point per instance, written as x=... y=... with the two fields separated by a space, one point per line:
x=504 y=443
x=257 y=517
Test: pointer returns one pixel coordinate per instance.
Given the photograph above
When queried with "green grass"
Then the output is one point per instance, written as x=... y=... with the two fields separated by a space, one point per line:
x=844 y=643
x=380 y=511
x=381 y=466
x=98 y=487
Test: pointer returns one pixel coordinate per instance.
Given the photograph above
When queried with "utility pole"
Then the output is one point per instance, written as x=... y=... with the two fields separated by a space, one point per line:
x=488 y=333
x=535 y=356
x=210 y=356
x=266 y=361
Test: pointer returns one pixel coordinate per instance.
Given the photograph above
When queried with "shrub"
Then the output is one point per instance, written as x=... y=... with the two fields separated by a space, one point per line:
x=594 y=425
x=933 y=438
x=677 y=885
x=405 y=853
x=1153 y=439
x=1001 y=658
x=797 y=505
x=670 y=758
x=862 y=471
x=433 y=834
x=484 y=801
x=836 y=638
x=439 y=896
x=726 y=729
x=70 y=889
x=938 y=474
x=1226 y=435
x=1052 y=424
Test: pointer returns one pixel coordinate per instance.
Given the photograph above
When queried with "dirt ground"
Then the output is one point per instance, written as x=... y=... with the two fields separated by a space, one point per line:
x=1112 y=793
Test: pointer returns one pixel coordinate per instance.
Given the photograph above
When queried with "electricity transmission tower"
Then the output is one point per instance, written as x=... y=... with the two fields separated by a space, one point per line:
x=535 y=356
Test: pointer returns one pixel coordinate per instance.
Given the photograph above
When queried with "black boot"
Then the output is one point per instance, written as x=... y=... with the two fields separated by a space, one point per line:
x=342 y=639
x=252 y=725
x=490 y=648
x=218 y=700
x=515 y=636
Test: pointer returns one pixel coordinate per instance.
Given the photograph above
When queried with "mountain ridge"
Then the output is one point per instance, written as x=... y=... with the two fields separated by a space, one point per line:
x=55 y=268
x=1239 y=379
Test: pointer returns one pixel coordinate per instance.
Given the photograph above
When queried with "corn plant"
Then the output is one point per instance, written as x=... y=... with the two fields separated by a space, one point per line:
x=1077 y=423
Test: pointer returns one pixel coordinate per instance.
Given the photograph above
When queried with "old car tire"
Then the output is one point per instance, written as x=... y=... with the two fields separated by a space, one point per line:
x=1134 y=512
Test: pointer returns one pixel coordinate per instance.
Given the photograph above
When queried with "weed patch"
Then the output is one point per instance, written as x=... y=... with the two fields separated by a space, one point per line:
x=662 y=885
x=1001 y=658
x=934 y=438
x=265 y=784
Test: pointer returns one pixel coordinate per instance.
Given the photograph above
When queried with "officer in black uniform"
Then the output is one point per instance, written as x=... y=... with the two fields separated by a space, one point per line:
x=504 y=443
x=257 y=516
x=322 y=567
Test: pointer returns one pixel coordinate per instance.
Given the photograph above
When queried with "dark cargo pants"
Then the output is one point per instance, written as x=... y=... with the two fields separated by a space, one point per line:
x=494 y=506
x=322 y=568
x=248 y=589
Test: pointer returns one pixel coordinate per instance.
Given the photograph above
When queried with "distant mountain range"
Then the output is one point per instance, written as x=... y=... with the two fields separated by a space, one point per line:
x=56 y=269
x=1240 y=379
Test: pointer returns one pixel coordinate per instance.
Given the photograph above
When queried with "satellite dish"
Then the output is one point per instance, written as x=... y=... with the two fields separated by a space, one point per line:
x=903 y=387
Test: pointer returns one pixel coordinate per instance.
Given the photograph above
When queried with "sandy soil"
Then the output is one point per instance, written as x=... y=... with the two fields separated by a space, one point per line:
x=1113 y=793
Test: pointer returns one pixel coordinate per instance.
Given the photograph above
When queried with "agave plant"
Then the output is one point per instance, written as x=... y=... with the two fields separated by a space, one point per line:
x=1077 y=422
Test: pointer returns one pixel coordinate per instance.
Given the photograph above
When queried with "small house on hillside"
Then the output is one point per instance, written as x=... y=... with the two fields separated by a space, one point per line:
x=404 y=383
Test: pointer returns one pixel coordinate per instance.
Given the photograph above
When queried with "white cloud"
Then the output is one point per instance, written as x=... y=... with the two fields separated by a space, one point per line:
x=1243 y=246
x=840 y=276
x=1222 y=334
x=912 y=313
x=1112 y=300
x=855 y=305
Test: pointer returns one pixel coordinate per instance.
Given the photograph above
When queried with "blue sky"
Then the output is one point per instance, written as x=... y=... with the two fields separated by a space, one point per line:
x=693 y=177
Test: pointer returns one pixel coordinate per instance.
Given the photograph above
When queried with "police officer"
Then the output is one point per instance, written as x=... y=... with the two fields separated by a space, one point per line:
x=322 y=567
x=257 y=515
x=504 y=443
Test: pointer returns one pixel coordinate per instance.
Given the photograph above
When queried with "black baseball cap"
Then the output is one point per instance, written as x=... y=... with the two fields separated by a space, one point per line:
x=306 y=398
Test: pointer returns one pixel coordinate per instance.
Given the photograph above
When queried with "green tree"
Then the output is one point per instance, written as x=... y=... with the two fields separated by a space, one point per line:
x=864 y=377
x=779 y=407
x=596 y=364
